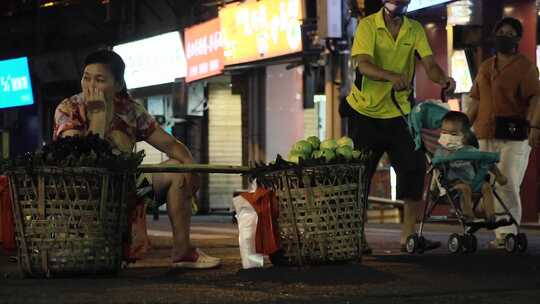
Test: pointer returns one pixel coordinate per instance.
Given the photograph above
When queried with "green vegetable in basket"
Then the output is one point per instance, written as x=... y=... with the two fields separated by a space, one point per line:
x=345 y=141
x=302 y=146
x=294 y=157
x=345 y=151
x=314 y=141
x=356 y=154
x=330 y=144
x=317 y=154
x=328 y=154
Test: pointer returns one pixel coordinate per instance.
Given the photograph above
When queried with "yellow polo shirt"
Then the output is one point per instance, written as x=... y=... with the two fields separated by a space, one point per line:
x=374 y=39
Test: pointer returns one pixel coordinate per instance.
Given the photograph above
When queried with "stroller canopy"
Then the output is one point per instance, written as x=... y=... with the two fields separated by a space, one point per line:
x=428 y=115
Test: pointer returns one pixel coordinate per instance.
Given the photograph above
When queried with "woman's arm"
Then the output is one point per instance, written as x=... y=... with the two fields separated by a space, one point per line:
x=100 y=111
x=534 y=111
x=534 y=120
x=176 y=150
x=472 y=110
x=166 y=143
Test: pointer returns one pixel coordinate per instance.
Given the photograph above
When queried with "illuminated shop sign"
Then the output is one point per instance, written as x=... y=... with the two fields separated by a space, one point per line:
x=260 y=29
x=15 y=83
x=204 y=50
x=152 y=61
x=420 y=4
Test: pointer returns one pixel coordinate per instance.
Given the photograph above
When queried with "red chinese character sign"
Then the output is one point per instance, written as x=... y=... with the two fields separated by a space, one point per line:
x=204 y=50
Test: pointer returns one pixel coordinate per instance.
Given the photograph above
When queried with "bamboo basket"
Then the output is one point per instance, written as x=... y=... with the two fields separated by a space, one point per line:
x=321 y=212
x=69 y=220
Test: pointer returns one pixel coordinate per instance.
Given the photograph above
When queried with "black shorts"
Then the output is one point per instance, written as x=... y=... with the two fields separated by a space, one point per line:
x=391 y=136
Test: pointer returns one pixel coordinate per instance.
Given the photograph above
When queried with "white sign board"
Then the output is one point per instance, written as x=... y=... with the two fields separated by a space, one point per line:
x=155 y=60
x=420 y=4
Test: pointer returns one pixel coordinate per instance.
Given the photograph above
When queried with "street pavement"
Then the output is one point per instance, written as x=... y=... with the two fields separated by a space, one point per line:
x=387 y=276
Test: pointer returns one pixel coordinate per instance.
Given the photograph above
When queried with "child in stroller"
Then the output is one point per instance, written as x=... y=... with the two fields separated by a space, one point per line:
x=461 y=174
x=451 y=180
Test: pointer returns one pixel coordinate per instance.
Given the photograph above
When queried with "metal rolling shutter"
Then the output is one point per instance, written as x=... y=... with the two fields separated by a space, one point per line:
x=224 y=142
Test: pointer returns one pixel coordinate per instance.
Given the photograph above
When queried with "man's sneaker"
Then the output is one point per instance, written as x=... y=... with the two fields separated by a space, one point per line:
x=428 y=245
x=196 y=259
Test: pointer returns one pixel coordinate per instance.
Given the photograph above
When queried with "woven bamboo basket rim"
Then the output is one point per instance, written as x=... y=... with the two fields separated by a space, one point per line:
x=297 y=167
x=65 y=170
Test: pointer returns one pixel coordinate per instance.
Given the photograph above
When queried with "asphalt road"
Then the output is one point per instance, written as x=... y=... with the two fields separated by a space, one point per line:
x=387 y=276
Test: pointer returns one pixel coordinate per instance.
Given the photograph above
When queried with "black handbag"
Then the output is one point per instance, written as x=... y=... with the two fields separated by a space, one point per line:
x=511 y=128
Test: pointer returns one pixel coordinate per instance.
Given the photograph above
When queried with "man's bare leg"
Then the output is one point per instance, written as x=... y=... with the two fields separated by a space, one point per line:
x=410 y=214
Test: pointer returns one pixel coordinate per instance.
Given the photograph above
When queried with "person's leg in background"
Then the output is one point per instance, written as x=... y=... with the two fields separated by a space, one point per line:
x=410 y=167
x=410 y=187
x=514 y=158
x=173 y=187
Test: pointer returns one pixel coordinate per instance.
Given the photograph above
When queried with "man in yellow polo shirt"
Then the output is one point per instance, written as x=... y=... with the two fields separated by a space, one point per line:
x=385 y=47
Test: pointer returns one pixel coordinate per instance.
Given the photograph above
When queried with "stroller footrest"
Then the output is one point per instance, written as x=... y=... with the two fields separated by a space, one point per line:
x=489 y=225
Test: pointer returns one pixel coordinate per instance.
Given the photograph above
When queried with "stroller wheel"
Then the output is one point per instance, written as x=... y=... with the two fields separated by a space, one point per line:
x=471 y=243
x=455 y=243
x=510 y=243
x=522 y=242
x=412 y=243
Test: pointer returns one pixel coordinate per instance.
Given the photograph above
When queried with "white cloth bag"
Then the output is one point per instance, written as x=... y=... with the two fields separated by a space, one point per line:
x=247 y=229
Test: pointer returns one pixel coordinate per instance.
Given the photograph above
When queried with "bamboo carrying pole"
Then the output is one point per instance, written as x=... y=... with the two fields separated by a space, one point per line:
x=200 y=168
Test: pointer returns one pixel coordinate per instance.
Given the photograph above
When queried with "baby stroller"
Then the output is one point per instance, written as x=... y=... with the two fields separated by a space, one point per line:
x=424 y=122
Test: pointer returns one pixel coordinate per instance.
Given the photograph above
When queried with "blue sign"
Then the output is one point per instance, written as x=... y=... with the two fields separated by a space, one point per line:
x=419 y=4
x=15 y=83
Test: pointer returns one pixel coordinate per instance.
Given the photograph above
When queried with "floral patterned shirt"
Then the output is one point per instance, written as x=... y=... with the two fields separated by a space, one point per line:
x=130 y=123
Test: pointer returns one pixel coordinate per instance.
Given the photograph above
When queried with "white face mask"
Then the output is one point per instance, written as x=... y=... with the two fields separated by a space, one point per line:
x=451 y=142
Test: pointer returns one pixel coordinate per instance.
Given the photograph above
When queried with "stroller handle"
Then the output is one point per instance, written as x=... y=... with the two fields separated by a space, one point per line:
x=444 y=98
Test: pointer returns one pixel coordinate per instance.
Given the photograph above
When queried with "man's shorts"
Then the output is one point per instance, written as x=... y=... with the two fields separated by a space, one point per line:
x=391 y=136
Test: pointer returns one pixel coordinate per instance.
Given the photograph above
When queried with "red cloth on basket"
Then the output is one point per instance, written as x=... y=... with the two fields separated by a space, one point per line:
x=265 y=203
x=7 y=232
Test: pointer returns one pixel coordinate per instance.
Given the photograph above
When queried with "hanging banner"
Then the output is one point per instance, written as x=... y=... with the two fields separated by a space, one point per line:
x=204 y=50
x=259 y=29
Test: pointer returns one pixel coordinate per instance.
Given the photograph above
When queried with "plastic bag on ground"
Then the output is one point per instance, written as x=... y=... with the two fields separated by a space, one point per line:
x=247 y=229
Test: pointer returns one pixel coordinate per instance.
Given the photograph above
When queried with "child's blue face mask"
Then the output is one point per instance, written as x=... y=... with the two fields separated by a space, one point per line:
x=451 y=142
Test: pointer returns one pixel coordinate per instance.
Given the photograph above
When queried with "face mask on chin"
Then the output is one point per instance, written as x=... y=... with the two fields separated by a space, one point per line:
x=395 y=10
x=451 y=142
